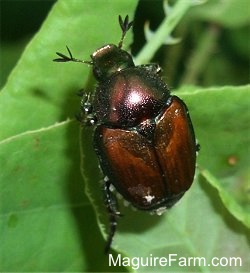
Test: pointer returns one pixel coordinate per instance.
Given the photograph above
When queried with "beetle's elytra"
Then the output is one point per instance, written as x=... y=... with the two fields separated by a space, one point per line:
x=143 y=137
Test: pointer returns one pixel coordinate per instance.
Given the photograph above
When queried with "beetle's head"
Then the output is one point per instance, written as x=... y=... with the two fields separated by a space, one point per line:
x=110 y=59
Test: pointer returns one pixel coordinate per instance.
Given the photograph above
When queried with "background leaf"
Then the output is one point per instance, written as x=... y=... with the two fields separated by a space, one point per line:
x=225 y=155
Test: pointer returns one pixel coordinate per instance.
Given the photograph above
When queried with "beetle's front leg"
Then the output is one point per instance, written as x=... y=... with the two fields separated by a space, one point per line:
x=111 y=204
x=152 y=68
x=86 y=116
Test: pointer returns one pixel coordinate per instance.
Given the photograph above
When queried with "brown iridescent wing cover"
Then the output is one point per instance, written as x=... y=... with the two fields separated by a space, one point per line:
x=150 y=173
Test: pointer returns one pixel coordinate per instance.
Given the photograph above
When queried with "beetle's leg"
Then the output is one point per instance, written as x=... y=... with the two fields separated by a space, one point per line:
x=198 y=146
x=111 y=205
x=152 y=68
x=86 y=116
x=81 y=93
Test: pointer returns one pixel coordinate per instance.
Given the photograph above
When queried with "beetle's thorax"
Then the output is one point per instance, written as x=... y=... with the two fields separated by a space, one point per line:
x=129 y=97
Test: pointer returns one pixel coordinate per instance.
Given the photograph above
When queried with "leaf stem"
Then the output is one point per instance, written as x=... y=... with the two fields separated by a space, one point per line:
x=164 y=30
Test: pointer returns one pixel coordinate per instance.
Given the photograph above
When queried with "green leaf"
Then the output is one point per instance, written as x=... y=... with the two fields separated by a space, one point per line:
x=41 y=193
x=240 y=211
x=223 y=133
x=46 y=220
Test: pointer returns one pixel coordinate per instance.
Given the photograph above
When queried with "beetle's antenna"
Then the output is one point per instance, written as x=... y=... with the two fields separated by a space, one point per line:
x=70 y=58
x=125 y=26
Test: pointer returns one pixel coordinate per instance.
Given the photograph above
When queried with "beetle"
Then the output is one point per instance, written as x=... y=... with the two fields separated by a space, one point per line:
x=143 y=137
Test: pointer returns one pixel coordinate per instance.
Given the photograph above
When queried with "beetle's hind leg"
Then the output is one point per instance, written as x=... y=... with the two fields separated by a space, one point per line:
x=114 y=214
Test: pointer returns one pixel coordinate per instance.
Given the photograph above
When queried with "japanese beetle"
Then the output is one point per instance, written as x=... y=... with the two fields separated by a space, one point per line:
x=143 y=137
